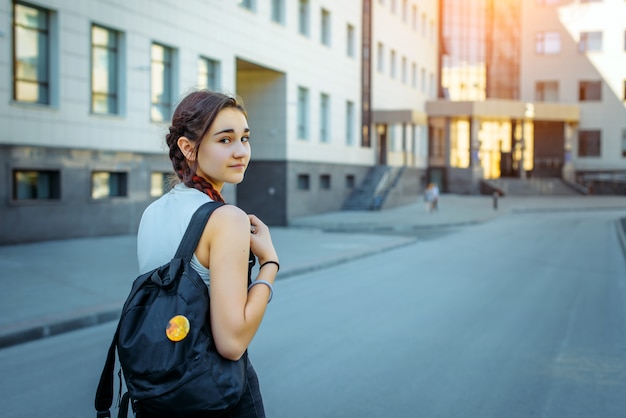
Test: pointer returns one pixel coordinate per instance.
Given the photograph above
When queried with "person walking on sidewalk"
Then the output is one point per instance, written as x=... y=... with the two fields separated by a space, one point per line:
x=209 y=145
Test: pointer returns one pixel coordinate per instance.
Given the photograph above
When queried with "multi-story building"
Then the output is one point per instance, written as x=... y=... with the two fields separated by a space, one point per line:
x=92 y=85
x=529 y=88
x=574 y=51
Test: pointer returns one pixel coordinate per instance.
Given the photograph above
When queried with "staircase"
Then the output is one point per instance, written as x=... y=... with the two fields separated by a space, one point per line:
x=371 y=193
x=531 y=187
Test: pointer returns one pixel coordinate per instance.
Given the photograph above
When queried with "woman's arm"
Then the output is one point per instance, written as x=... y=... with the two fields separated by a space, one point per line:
x=236 y=314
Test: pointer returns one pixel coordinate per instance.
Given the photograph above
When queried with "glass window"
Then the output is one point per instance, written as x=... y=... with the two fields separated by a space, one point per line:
x=590 y=42
x=423 y=80
x=414 y=75
x=303 y=18
x=159 y=183
x=325 y=181
x=547 y=91
x=36 y=185
x=303 y=182
x=350 y=49
x=325 y=28
x=104 y=70
x=303 y=113
x=350 y=120
x=350 y=181
x=404 y=70
x=31 y=54
x=324 y=117
x=589 y=143
x=161 y=91
x=392 y=63
x=414 y=18
x=589 y=90
x=108 y=184
x=380 y=58
x=547 y=43
x=247 y=4
x=623 y=142
x=405 y=11
x=278 y=11
x=208 y=74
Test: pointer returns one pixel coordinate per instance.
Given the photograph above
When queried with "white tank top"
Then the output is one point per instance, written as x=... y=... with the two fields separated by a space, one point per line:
x=163 y=225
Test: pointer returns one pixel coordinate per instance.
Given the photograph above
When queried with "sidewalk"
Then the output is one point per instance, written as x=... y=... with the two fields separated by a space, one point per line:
x=58 y=286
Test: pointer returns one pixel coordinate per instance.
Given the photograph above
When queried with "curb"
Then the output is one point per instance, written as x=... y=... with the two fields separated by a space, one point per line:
x=48 y=328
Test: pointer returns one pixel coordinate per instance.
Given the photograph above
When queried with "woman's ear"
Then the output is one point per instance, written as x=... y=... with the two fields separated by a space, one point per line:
x=187 y=148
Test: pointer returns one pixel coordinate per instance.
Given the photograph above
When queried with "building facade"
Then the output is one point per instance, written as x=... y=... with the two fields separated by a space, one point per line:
x=574 y=52
x=91 y=86
x=530 y=88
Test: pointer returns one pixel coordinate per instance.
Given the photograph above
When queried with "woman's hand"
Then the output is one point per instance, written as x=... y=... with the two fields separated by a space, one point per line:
x=261 y=241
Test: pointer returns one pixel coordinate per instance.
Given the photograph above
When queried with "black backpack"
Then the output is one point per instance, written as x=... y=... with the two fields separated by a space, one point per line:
x=165 y=378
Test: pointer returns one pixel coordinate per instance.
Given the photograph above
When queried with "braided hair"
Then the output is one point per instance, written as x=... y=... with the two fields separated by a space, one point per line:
x=192 y=119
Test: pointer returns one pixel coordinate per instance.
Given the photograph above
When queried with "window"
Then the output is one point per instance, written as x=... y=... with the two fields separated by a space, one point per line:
x=414 y=75
x=350 y=123
x=325 y=28
x=547 y=43
x=324 y=117
x=303 y=182
x=278 y=11
x=208 y=74
x=625 y=40
x=104 y=70
x=589 y=143
x=423 y=80
x=108 y=184
x=350 y=181
x=303 y=17
x=303 y=113
x=589 y=90
x=414 y=18
x=247 y=4
x=624 y=97
x=393 y=7
x=31 y=54
x=350 y=50
x=159 y=183
x=547 y=91
x=392 y=63
x=36 y=185
x=404 y=70
x=161 y=89
x=325 y=181
x=623 y=142
x=423 y=25
x=590 y=42
x=380 y=58
x=405 y=11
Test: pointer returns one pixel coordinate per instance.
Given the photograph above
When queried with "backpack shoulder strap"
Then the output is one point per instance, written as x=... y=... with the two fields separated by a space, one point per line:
x=194 y=230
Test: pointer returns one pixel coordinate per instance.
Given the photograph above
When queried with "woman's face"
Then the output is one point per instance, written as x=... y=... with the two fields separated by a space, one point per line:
x=224 y=152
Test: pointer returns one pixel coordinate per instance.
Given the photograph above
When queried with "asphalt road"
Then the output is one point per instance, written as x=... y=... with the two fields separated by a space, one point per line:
x=524 y=316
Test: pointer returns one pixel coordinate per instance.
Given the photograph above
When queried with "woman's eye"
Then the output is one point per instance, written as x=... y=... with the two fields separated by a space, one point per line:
x=245 y=139
x=225 y=140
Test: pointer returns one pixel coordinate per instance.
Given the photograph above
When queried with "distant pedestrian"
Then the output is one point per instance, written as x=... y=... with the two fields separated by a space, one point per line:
x=428 y=198
x=435 y=192
x=209 y=146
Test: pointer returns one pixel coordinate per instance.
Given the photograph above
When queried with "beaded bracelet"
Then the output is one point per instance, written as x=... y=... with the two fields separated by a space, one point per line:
x=266 y=283
x=271 y=262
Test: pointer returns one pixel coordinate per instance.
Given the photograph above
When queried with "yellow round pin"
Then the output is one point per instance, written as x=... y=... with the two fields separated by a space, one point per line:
x=177 y=328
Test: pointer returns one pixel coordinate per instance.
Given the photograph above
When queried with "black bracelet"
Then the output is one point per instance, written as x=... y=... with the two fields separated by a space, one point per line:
x=271 y=262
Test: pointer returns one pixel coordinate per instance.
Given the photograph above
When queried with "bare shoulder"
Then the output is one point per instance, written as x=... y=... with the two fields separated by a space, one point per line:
x=229 y=217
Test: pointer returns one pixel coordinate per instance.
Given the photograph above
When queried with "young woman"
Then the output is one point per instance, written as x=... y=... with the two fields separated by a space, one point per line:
x=209 y=146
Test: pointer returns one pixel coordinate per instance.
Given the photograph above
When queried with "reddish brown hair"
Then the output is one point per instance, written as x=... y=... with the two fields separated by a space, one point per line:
x=192 y=119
